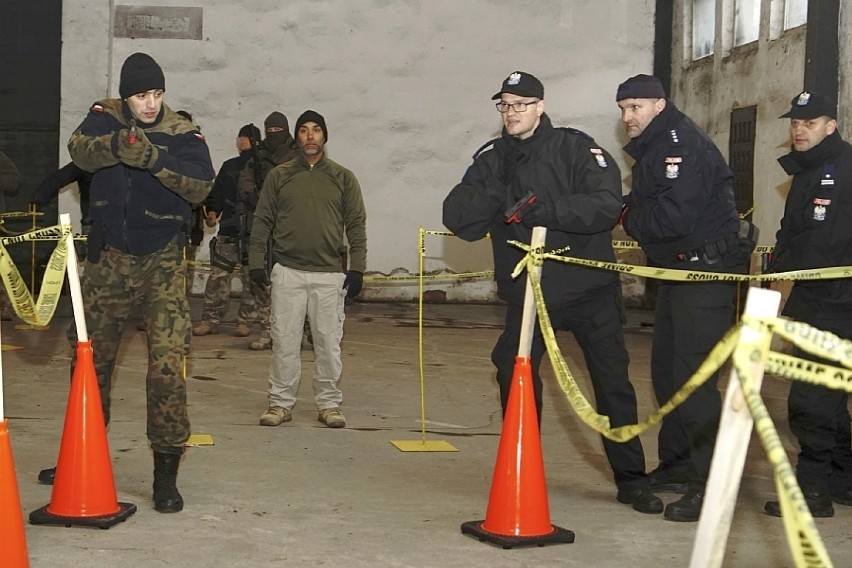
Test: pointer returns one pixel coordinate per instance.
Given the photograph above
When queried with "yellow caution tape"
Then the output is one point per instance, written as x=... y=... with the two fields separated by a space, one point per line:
x=689 y=275
x=37 y=313
x=600 y=423
x=804 y=540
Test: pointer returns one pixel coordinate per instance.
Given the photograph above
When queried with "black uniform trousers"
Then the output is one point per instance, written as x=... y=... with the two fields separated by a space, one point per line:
x=819 y=417
x=596 y=322
x=689 y=320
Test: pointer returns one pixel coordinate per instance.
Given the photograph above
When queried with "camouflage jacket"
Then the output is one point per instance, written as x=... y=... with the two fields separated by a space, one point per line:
x=138 y=211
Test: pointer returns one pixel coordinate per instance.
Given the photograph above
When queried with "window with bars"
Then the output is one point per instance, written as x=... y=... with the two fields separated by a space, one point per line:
x=741 y=155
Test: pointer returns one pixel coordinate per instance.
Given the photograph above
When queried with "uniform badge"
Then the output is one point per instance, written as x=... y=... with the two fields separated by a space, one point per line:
x=819 y=213
x=672 y=167
x=827 y=180
x=803 y=99
x=97 y=108
x=673 y=134
x=820 y=201
x=514 y=79
x=599 y=157
x=200 y=136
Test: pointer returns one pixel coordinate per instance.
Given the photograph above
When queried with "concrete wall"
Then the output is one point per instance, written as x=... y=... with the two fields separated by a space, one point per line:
x=766 y=73
x=405 y=87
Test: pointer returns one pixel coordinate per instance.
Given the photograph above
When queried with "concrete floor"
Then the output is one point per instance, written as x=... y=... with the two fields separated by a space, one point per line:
x=305 y=495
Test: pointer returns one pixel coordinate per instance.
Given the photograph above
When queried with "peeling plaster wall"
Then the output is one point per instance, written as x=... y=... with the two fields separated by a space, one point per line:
x=404 y=85
x=766 y=73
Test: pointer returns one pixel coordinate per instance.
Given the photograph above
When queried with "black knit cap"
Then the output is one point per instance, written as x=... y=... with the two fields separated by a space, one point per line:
x=640 y=87
x=312 y=116
x=250 y=131
x=276 y=119
x=521 y=84
x=809 y=105
x=140 y=73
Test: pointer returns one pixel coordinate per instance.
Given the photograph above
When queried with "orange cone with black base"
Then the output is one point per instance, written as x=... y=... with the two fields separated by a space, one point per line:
x=13 y=542
x=518 y=512
x=84 y=488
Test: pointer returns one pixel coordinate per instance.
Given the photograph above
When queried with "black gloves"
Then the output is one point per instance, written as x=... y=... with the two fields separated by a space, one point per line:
x=259 y=276
x=141 y=154
x=537 y=215
x=353 y=283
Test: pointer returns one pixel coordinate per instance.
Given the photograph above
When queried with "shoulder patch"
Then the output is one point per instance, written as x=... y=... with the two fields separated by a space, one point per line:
x=199 y=135
x=672 y=166
x=599 y=157
x=97 y=108
x=674 y=136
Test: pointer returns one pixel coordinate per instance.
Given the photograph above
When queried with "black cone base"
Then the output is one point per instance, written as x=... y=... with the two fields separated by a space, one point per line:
x=558 y=536
x=43 y=517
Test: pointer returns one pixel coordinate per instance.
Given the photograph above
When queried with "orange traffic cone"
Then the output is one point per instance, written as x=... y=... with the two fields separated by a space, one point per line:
x=84 y=488
x=13 y=542
x=518 y=512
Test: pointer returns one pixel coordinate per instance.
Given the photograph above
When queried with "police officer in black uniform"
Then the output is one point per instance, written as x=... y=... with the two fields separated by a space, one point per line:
x=816 y=232
x=681 y=210
x=577 y=189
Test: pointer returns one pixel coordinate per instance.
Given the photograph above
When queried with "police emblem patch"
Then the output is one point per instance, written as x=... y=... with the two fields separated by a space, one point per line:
x=672 y=168
x=819 y=213
x=514 y=79
x=803 y=99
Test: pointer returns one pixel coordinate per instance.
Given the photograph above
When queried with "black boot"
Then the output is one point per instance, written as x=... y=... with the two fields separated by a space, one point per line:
x=166 y=496
x=46 y=476
x=687 y=509
x=818 y=502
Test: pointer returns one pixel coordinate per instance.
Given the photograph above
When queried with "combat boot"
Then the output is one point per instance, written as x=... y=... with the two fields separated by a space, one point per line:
x=166 y=496
x=242 y=330
x=262 y=342
x=205 y=328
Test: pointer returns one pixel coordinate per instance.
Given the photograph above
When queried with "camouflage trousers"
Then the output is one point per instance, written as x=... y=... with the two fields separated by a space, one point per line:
x=255 y=301
x=111 y=288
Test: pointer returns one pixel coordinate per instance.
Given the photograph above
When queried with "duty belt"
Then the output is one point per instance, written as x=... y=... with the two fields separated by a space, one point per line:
x=712 y=252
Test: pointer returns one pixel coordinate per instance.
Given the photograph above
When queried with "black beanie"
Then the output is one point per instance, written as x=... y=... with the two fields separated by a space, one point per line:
x=140 y=73
x=277 y=119
x=312 y=116
x=640 y=87
x=250 y=131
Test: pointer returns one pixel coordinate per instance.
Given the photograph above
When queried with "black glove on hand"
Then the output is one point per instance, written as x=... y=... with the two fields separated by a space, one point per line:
x=353 y=283
x=536 y=215
x=259 y=276
x=140 y=154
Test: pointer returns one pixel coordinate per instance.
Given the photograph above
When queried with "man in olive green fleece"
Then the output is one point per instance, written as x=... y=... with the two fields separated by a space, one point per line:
x=306 y=207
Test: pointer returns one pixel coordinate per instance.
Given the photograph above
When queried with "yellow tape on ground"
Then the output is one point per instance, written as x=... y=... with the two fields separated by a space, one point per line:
x=37 y=313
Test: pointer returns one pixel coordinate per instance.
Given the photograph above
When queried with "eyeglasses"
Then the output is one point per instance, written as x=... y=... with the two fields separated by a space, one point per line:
x=517 y=107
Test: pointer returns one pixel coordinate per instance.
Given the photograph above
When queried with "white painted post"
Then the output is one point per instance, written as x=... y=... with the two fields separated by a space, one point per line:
x=529 y=313
x=74 y=283
x=732 y=441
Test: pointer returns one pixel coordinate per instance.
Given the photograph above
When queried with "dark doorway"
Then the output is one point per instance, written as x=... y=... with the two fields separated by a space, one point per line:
x=30 y=70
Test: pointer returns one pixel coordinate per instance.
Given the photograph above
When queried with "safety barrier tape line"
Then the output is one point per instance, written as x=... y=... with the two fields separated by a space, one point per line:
x=40 y=312
x=687 y=275
x=805 y=543
x=803 y=537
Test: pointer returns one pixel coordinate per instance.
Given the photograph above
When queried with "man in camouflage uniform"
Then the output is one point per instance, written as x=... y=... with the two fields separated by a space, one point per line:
x=142 y=194
x=227 y=251
x=278 y=147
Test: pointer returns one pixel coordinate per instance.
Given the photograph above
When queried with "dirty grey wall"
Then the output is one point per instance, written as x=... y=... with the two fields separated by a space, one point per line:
x=405 y=87
x=766 y=73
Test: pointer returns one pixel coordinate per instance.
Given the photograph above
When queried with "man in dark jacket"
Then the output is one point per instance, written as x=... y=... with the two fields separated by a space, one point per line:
x=229 y=247
x=681 y=210
x=150 y=167
x=577 y=187
x=816 y=232
x=277 y=147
